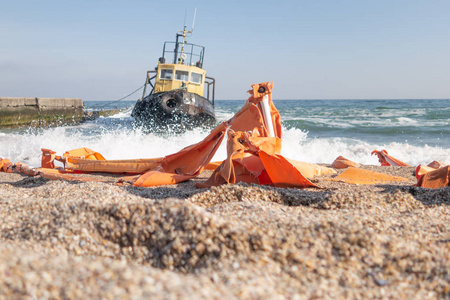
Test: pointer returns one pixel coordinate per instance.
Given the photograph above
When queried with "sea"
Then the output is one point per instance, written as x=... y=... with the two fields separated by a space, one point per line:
x=314 y=131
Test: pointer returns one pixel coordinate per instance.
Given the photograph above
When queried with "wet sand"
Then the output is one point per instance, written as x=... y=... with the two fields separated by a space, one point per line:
x=96 y=240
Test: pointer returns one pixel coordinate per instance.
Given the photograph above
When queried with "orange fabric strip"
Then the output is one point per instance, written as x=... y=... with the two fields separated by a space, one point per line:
x=282 y=173
x=360 y=176
x=154 y=178
x=131 y=166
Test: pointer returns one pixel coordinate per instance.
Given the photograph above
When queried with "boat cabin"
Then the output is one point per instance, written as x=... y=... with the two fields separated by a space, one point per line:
x=179 y=76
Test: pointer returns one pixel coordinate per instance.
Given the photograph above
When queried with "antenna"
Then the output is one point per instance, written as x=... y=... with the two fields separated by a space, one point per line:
x=193 y=21
x=185 y=12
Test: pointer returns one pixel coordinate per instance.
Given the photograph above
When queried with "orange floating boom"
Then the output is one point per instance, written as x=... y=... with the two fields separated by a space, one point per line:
x=386 y=160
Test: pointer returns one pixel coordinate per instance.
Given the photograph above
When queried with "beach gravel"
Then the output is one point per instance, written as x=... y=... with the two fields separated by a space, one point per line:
x=65 y=240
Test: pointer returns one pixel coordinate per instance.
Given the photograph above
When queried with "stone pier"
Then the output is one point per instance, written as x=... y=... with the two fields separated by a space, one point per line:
x=15 y=111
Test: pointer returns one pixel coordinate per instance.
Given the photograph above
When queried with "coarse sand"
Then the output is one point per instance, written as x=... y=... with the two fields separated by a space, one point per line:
x=65 y=240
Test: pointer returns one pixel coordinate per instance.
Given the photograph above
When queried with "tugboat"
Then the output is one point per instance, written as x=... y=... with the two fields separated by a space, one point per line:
x=176 y=100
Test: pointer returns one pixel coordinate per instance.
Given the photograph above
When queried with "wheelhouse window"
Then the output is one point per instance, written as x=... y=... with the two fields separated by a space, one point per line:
x=182 y=75
x=166 y=74
x=196 y=78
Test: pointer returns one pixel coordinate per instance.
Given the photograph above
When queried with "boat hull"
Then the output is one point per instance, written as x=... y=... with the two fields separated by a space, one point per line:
x=178 y=110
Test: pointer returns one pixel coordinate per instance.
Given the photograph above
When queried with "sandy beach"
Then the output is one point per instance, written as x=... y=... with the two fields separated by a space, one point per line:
x=65 y=240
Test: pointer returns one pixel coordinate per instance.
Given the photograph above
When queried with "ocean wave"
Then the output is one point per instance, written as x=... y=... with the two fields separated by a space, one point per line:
x=326 y=150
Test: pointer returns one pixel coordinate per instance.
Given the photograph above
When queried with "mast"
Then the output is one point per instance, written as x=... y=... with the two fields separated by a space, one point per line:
x=182 y=34
x=175 y=56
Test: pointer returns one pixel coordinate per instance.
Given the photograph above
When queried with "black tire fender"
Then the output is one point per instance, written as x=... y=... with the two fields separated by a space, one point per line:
x=171 y=102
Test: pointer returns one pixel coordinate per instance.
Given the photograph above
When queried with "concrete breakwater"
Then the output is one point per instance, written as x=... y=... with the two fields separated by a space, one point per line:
x=18 y=111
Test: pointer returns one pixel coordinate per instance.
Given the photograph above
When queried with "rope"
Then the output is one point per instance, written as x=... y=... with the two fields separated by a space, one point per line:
x=101 y=106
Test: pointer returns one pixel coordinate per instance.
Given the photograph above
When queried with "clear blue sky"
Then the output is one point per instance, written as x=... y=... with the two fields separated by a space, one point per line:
x=329 y=49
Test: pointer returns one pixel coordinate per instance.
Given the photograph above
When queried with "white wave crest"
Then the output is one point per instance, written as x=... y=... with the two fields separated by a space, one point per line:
x=326 y=150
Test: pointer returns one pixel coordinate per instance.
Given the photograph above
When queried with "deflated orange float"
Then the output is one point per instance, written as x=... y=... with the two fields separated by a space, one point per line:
x=311 y=170
x=361 y=176
x=435 y=179
x=421 y=169
x=434 y=175
x=5 y=165
x=386 y=160
x=342 y=163
x=254 y=159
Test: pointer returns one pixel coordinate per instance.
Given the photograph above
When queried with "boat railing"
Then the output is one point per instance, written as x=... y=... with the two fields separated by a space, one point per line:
x=210 y=85
x=193 y=54
x=148 y=80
